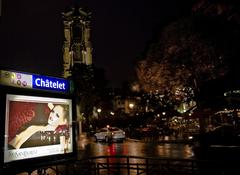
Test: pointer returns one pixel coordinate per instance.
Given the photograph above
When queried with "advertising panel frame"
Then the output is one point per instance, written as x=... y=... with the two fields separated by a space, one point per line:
x=45 y=160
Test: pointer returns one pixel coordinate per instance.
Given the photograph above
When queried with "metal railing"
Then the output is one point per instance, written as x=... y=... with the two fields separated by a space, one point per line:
x=134 y=165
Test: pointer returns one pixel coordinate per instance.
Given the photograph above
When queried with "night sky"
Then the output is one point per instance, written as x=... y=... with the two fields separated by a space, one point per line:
x=32 y=33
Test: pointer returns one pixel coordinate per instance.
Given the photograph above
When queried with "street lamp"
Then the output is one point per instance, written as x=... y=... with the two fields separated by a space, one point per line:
x=131 y=105
x=99 y=110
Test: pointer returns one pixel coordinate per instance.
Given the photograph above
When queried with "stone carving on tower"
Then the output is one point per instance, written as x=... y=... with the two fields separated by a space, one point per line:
x=77 y=47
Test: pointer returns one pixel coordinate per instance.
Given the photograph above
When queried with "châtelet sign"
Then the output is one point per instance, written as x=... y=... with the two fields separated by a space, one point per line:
x=34 y=81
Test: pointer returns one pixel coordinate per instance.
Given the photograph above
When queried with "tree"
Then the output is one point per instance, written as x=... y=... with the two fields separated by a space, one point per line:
x=89 y=84
x=227 y=14
x=227 y=10
x=187 y=53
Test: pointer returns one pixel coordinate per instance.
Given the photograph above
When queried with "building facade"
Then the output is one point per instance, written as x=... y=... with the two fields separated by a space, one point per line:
x=77 y=47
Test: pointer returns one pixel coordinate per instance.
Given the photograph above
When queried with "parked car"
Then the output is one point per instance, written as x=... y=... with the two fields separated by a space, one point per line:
x=108 y=134
x=222 y=142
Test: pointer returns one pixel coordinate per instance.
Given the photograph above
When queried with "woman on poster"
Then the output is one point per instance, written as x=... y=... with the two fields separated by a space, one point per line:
x=56 y=118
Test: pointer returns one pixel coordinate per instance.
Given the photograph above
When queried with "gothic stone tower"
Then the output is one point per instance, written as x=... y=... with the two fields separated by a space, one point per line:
x=77 y=46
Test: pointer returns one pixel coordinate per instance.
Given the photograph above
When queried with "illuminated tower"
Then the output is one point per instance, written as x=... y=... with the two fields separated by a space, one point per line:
x=77 y=46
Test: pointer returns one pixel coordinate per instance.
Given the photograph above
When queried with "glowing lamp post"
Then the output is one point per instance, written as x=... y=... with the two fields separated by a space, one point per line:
x=99 y=110
x=131 y=105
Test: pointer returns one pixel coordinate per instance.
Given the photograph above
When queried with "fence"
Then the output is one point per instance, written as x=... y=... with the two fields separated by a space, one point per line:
x=133 y=165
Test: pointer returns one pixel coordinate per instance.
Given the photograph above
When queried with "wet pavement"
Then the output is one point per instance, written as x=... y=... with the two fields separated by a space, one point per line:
x=167 y=147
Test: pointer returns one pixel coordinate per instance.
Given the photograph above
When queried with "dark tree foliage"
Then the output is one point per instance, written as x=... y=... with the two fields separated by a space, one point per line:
x=191 y=51
x=89 y=84
x=227 y=14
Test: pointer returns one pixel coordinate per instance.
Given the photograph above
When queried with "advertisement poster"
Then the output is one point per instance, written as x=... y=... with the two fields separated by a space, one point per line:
x=36 y=127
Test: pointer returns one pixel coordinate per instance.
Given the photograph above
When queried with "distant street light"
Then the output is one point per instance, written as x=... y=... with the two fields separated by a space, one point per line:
x=99 y=110
x=131 y=105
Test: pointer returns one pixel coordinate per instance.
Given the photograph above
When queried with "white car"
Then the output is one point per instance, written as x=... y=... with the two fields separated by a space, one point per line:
x=110 y=134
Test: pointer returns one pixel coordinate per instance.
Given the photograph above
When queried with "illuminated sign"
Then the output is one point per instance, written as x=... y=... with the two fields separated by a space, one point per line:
x=49 y=83
x=15 y=79
x=23 y=80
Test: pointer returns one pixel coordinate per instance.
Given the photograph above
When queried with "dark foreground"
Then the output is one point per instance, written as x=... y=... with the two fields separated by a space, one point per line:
x=132 y=165
x=216 y=164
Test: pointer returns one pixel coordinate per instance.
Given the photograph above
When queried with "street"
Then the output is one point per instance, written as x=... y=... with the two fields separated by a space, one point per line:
x=170 y=157
x=132 y=147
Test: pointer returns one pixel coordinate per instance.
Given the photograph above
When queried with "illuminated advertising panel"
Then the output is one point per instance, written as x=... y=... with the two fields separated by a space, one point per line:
x=36 y=127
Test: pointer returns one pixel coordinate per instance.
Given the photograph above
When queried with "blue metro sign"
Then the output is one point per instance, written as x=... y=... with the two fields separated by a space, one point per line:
x=50 y=83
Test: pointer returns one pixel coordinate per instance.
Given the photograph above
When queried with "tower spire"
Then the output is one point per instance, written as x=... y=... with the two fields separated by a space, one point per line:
x=77 y=47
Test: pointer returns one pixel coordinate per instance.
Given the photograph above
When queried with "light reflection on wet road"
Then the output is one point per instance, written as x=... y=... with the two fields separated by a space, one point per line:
x=135 y=148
